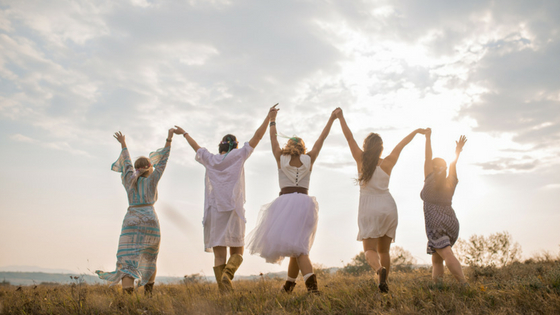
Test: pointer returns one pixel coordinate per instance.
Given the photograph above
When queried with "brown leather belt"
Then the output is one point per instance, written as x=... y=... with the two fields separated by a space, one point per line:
x=291 y=190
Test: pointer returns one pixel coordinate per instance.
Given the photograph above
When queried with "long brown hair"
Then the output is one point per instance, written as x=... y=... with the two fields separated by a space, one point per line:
x=142 y=164
x=373 y=146
x=295 y=146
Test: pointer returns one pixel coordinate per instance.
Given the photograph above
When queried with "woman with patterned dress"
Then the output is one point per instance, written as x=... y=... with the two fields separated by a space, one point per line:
x=377 y=212
x=442 y=226
x=286 y=227
x=140 y=235
x=224 y=213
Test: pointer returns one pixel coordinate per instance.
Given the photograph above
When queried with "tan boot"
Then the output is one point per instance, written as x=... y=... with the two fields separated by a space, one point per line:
x=231 y=267
x=218 y=270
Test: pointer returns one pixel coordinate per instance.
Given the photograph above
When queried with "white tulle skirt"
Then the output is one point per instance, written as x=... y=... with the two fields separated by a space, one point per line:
x=285 y=228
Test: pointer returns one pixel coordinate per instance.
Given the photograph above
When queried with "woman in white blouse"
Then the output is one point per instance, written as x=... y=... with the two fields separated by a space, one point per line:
x=224 y=215
x=286 y=227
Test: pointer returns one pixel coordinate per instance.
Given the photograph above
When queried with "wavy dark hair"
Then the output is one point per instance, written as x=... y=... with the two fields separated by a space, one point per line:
x=373 y=146
x=227 y=140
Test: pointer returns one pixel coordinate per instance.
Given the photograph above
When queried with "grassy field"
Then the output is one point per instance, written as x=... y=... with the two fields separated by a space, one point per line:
x=520 y=288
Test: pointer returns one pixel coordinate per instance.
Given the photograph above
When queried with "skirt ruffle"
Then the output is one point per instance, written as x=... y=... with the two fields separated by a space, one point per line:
x=285 y=228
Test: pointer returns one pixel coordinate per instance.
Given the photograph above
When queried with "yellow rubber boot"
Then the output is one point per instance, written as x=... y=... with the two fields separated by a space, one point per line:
x=229 y=271
x=218 y=270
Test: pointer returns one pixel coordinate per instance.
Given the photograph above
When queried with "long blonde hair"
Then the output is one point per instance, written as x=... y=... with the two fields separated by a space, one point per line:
x=295 y=146
x=373 y=146
x=141 y=166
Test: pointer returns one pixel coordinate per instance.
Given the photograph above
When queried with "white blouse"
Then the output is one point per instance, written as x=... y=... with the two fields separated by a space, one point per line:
x=224 y=184
x=291 y=176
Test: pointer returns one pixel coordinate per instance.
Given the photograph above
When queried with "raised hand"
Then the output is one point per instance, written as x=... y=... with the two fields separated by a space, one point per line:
x=428 y=132
x=460 y=144
x=170 y=133
x=338 y=112
x=120 y=137
x=273 y=112
x=420 y=131
x=178 y=130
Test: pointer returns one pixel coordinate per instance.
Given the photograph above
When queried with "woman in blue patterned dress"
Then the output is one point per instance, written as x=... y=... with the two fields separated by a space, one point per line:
x=442 y=226
x=140 y=236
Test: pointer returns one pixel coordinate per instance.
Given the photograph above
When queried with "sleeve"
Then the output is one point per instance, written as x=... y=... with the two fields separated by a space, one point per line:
x=124 y=166
x=202 y=156
x=159 y=161
x=247 y=150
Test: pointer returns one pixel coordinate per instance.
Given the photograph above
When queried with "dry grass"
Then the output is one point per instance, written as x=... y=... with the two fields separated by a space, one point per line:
x=531 y=288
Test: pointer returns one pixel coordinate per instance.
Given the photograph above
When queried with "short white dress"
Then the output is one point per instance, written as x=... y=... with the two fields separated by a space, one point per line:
x=286 y=227
x=377 y=212
x=224 y=197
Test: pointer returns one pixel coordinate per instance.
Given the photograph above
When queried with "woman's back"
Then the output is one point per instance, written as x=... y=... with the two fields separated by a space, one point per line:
x=378 y=183
x=290 y=175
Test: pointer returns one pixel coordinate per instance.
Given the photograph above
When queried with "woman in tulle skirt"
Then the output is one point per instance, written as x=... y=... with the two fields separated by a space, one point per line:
x=286 y=227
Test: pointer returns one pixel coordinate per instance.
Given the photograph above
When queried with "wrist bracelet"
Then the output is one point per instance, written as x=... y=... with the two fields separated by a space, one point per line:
x=272 y=123
x=168 y=140
x=186 y=133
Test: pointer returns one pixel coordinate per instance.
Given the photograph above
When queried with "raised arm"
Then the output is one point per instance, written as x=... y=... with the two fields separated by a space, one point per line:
x=262 y=129
x=120 y=138
x=390 y=161
x=276 y=151
x=193 y=144
x=428 y=167
x=458 y=149
x=170 y=134
x=352 y=144
x=314 y=153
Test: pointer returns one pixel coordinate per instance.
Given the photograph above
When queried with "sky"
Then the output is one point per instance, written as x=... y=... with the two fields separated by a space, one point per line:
x=74 y=72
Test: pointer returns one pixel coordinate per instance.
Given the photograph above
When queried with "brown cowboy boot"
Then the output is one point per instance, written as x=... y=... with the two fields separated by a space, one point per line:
x=229 y=271
x=288 y=287
x=311 y=284
x=218 y=270
x=128 y=290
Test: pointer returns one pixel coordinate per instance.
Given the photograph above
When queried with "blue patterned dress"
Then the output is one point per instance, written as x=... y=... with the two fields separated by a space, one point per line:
x=442 y=226
x=140 y=236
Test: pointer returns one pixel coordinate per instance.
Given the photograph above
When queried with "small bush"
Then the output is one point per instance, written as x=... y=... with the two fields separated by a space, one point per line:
x=497 y=249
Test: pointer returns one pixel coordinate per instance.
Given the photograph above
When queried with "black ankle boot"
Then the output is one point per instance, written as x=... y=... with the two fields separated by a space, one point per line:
x=148 y=289
x=288 y=287
x=311 y=284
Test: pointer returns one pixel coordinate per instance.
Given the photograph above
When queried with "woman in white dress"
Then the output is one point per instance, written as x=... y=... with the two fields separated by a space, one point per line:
x=224 y=215
x=377 y=212
x=287 y=226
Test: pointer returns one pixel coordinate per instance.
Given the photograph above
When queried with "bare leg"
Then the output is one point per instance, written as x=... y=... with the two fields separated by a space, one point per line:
x=220 y=255
x=370 y=250
x=127 y=282
x=153 y=277
x=383 y=247
x=437 y=267
x=452 y=263
x=304 y=264
x=293 y=268
x=236 y=250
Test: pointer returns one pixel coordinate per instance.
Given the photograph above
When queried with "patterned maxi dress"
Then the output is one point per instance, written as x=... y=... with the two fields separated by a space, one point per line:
x=140 y=236
x=442 y=226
